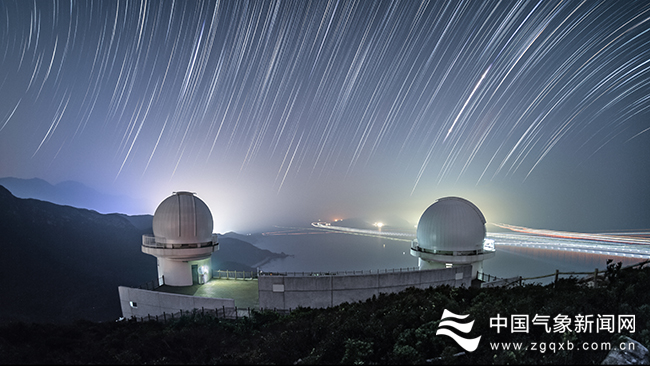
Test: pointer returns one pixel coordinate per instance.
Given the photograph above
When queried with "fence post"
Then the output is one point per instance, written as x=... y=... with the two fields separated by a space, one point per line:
x=164 y=318
x=224 y=311
x=557 y=274
x=236 y=314
x=596 y=277
x=202 y=310
x=181 y=312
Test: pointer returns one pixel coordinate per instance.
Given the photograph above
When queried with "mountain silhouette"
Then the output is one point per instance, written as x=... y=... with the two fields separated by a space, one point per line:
x=74 y=194
x=239 y=255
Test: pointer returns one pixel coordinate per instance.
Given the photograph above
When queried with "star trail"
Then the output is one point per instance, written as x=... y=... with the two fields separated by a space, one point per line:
x=537 y=111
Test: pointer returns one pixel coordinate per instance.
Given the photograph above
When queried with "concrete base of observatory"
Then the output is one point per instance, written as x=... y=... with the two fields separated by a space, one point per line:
x=290 y=292
x=432 y=261
x=184 y=273
x=282 y=292
x=146 y=303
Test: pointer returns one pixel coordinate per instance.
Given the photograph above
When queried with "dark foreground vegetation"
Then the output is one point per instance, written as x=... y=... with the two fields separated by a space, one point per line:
x=391 y=329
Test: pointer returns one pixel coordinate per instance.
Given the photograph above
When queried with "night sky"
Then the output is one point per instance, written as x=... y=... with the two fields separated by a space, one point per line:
x=276 y=112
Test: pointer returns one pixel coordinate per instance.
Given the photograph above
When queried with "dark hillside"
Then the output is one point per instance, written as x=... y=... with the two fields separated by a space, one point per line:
x=61 y=263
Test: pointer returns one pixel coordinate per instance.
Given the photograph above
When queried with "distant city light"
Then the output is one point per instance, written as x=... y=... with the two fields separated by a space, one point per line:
x=379 y=224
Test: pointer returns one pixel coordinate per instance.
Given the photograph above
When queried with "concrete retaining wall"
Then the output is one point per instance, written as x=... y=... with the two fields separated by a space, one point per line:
x=140 y=303
x=285 y=292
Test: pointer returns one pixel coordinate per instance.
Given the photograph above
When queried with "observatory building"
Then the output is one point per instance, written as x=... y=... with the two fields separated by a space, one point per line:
x=450 y=247
x=182 y=240
x=451 y=232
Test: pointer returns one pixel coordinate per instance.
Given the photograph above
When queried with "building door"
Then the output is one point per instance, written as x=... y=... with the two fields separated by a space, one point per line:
x=195 y=274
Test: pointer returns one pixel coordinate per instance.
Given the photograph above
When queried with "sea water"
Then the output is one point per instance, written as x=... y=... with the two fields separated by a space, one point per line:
x=322 y=251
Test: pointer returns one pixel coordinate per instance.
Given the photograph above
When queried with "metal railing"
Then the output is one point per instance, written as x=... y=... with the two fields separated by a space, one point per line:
x=338 y=273
x=486 y=249
x=219 y=273
x=153 y=284
x=219 y=313
x=486 y=277
x=591 y=276
x=151 y=241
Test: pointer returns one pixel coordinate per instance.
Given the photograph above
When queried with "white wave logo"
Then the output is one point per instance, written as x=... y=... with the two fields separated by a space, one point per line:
x=469 y=345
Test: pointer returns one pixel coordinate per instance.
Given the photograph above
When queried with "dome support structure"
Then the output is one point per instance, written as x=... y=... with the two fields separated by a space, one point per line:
x=182 y=240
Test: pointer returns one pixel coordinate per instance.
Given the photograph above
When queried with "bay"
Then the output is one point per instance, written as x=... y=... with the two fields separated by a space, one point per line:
x=328 y=251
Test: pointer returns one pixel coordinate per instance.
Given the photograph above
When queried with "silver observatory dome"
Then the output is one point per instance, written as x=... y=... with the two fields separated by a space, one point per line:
x=182 y=218
x=451 y=224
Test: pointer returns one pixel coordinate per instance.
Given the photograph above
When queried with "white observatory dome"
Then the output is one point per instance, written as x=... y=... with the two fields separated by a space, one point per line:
x=182 y=218
x=451 y=224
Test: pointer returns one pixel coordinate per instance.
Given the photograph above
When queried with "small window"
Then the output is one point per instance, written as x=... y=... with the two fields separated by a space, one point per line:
x=133 y=304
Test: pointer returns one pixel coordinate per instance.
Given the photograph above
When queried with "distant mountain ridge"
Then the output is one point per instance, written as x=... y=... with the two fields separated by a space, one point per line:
x=61 y=263
x=71 y=193
x=240 y=255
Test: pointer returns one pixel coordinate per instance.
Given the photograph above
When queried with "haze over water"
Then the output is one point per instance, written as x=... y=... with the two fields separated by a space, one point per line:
x=330 y=251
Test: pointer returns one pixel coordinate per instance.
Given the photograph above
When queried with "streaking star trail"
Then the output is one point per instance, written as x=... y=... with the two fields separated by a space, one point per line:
x=298 y=104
